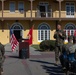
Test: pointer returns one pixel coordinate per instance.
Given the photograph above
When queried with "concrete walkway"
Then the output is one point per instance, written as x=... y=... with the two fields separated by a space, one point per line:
x=39 y=63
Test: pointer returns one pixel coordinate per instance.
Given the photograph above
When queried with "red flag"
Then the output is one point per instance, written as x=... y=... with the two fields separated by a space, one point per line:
x=75 y=33
x=13 y=41
x=30 y=35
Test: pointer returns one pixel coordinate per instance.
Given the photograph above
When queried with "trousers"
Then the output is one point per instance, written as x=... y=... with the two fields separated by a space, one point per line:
x=58 y=51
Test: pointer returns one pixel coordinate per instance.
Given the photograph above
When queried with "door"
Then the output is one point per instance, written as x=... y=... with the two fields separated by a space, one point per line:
x=42 y=11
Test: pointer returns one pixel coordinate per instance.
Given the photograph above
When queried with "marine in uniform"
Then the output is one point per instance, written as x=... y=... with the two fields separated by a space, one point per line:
x=59 y=35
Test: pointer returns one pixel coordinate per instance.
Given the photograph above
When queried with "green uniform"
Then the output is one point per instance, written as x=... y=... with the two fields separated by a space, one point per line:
x=66 y=47
x=2 y=57
x=59 y=42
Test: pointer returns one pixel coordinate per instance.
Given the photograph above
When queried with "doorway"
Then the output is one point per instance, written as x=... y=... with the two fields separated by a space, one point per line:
x=17 y=30
x=17 y=34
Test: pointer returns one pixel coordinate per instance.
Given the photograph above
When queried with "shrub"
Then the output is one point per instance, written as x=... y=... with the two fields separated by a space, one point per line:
x=47 y=45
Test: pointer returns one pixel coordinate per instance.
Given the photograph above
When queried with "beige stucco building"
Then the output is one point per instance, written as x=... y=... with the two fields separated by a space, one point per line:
x=20 y=15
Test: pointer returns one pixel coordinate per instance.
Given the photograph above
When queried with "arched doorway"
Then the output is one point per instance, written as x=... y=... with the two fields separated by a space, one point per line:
x=17 y=29
x=70 y=29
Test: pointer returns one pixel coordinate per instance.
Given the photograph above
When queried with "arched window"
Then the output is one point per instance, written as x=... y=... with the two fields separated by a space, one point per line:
x=70 y=28
x=43 y=32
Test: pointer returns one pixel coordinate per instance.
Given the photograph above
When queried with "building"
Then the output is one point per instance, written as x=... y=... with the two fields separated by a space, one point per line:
x=20 y=15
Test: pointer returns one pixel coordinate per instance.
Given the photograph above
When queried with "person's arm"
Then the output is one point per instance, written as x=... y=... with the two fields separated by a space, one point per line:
x=62 y=35
x=55 y=35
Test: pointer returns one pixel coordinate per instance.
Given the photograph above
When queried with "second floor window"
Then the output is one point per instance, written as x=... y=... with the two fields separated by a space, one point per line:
x=12 y=6
x=70 y=9
x=21 y=7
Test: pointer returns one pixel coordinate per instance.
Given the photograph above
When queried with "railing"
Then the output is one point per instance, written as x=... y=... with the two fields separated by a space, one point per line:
x=44 y=14
x=37 y=14
x=68 y=15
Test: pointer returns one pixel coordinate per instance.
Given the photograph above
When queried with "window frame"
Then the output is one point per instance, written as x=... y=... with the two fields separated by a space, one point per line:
x=23 y=6
x=70 y=16
x=14 y=6
x=70 y=30
x=39 y=33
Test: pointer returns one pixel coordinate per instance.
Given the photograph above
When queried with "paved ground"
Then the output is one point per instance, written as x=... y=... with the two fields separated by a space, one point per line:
x=39 y=63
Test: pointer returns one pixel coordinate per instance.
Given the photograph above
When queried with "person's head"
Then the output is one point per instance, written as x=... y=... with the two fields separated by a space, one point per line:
x=59 y=27
x=70 y=39
x=74 y=39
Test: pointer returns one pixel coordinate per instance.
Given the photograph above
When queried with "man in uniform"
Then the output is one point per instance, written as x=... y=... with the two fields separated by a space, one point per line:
x=59 y=35
x=2 y=57
x=65 y=52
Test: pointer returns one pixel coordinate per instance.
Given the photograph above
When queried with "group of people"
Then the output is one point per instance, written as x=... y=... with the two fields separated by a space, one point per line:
x=61 y=48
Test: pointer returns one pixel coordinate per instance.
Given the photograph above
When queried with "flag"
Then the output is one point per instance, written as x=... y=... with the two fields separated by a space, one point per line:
x=30 y=35
x=13 y=41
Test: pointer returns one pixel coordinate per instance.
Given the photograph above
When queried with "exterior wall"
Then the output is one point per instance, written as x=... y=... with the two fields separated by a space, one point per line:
x=26 y=12
x=35 y=31
x=5 y=36
x=27 y=9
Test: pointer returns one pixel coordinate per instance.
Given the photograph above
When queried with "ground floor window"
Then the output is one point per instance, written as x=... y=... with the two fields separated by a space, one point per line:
x=70 y=29
x=43 y=32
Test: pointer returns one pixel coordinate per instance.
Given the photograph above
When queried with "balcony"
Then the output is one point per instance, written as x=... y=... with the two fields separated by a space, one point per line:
x=44 y=14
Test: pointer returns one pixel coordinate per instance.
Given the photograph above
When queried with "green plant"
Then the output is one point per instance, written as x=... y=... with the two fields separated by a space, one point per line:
x=47 y=45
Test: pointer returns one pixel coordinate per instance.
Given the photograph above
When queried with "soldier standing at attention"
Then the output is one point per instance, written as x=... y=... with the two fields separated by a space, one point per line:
x=2 y=57
x=59 y=35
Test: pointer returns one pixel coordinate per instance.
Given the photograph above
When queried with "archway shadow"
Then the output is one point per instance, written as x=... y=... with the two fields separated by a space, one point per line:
x=53 y=69
x=44 y=62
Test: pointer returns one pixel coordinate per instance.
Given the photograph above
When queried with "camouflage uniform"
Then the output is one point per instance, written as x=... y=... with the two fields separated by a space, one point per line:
x=59 y=42
x=63 y=60
x=2 y=57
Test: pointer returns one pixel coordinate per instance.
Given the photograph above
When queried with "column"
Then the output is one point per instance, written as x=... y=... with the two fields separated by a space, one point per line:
x=59 y=9
x=2 y=8
x=31 y=7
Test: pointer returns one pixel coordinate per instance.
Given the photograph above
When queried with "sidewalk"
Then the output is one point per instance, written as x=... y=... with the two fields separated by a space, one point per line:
x=38 y=64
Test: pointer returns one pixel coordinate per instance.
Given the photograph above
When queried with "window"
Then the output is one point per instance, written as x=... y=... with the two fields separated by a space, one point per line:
x=70 y=9
x=21 y=7
x=70 y=29
x=12 y=6
x=43 y=32
x=43 y=9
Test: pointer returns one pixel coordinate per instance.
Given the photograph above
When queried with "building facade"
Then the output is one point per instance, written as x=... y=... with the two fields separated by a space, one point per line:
x=20 y=15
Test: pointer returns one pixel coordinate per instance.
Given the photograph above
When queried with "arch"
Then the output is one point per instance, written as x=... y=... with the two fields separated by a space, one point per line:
x=17 y=26
x=70 y=26
x=44 y=26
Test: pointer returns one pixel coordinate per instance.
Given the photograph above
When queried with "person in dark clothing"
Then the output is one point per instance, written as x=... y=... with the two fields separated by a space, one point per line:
x=59 y=35
x=65 y=51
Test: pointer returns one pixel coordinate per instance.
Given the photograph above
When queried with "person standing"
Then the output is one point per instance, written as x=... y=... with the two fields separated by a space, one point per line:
x=2 y=57
x=59 y=35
